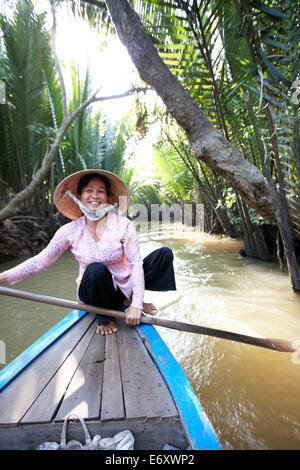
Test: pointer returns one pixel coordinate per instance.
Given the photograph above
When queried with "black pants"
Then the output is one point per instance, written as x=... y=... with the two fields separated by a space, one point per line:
x=97 y=286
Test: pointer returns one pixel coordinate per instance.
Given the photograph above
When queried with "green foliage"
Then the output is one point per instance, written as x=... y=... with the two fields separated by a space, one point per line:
x=185 y=37
x=81 y=149
x=229 y=199
x=175 y=180
x=24 y=120
x=29 y=123
x=238 y=60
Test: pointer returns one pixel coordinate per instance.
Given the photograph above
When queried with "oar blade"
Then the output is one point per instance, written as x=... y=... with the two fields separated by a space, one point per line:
x=267 y=343
x=282 y=345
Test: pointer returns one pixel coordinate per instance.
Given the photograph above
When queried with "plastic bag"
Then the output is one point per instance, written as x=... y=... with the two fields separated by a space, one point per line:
x=123 y=440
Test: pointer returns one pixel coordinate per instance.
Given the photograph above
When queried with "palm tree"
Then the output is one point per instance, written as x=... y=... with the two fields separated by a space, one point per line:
x=35 y=113
x=81 y=148
x=246 y=48
x=25 y=123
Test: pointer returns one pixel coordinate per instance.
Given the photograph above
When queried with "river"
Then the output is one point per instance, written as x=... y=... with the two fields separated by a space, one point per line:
x=250 y=394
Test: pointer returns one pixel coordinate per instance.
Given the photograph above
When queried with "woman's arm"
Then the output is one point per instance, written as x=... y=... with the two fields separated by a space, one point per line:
x=39 y=263
x=3 y=277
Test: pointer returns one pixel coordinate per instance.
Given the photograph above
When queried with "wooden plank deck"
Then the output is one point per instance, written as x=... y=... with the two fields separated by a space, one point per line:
x=110 y=381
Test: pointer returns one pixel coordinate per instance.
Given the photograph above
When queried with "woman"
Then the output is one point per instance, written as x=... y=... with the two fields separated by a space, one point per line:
x=111 y=271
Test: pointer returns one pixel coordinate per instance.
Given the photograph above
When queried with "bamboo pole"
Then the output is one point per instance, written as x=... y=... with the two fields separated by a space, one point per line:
x=281 y=345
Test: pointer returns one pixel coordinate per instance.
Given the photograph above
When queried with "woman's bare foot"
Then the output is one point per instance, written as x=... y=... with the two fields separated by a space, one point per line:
x=107 y=328
x=150 y=309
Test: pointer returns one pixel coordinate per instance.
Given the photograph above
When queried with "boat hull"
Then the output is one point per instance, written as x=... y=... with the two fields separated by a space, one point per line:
x=128 y=380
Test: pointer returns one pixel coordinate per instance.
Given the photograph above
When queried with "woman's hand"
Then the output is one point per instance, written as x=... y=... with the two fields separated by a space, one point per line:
x=133 y=315
x=2 y=277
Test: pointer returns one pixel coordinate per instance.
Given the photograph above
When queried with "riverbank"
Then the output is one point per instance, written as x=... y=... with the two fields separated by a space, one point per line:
x=21 y=240
x=23 y=237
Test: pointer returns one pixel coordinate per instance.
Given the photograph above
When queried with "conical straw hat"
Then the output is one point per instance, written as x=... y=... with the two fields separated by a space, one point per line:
x=118 y=193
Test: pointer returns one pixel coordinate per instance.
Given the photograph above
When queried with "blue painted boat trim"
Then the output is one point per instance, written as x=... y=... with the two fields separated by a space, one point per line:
x=25 y=358
x=197 y=424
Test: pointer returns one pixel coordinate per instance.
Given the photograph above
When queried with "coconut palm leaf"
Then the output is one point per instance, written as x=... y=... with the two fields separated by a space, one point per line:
x=26 y=124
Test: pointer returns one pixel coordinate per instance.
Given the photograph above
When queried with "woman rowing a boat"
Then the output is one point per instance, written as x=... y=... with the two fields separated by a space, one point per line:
x=104 y=242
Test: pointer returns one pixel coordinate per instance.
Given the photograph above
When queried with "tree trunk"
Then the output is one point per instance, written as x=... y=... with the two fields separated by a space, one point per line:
x=207 y=143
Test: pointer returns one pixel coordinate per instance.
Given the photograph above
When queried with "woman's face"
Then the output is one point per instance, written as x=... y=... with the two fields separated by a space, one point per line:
x=94 y=194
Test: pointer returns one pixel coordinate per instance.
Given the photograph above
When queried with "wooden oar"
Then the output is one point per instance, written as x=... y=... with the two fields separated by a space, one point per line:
x=268 y=343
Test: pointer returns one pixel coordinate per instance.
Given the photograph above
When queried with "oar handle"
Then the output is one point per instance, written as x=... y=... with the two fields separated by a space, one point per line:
x=268 y=343
x=60 y=302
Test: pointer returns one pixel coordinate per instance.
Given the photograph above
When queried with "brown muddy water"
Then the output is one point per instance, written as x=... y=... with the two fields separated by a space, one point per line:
x=250 y=394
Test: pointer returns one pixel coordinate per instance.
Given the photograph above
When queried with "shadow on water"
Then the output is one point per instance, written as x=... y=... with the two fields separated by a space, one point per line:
x=250 y=394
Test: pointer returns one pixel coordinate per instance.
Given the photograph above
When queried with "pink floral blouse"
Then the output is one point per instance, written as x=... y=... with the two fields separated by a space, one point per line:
x=118 y=249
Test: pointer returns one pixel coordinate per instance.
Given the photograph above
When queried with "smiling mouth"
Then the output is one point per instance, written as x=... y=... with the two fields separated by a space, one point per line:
x=94 y=204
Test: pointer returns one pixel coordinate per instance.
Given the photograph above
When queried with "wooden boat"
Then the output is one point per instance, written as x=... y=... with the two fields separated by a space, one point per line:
x=128 y=380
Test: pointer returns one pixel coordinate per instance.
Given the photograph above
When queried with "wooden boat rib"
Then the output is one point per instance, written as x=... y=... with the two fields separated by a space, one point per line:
x=128 y=380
